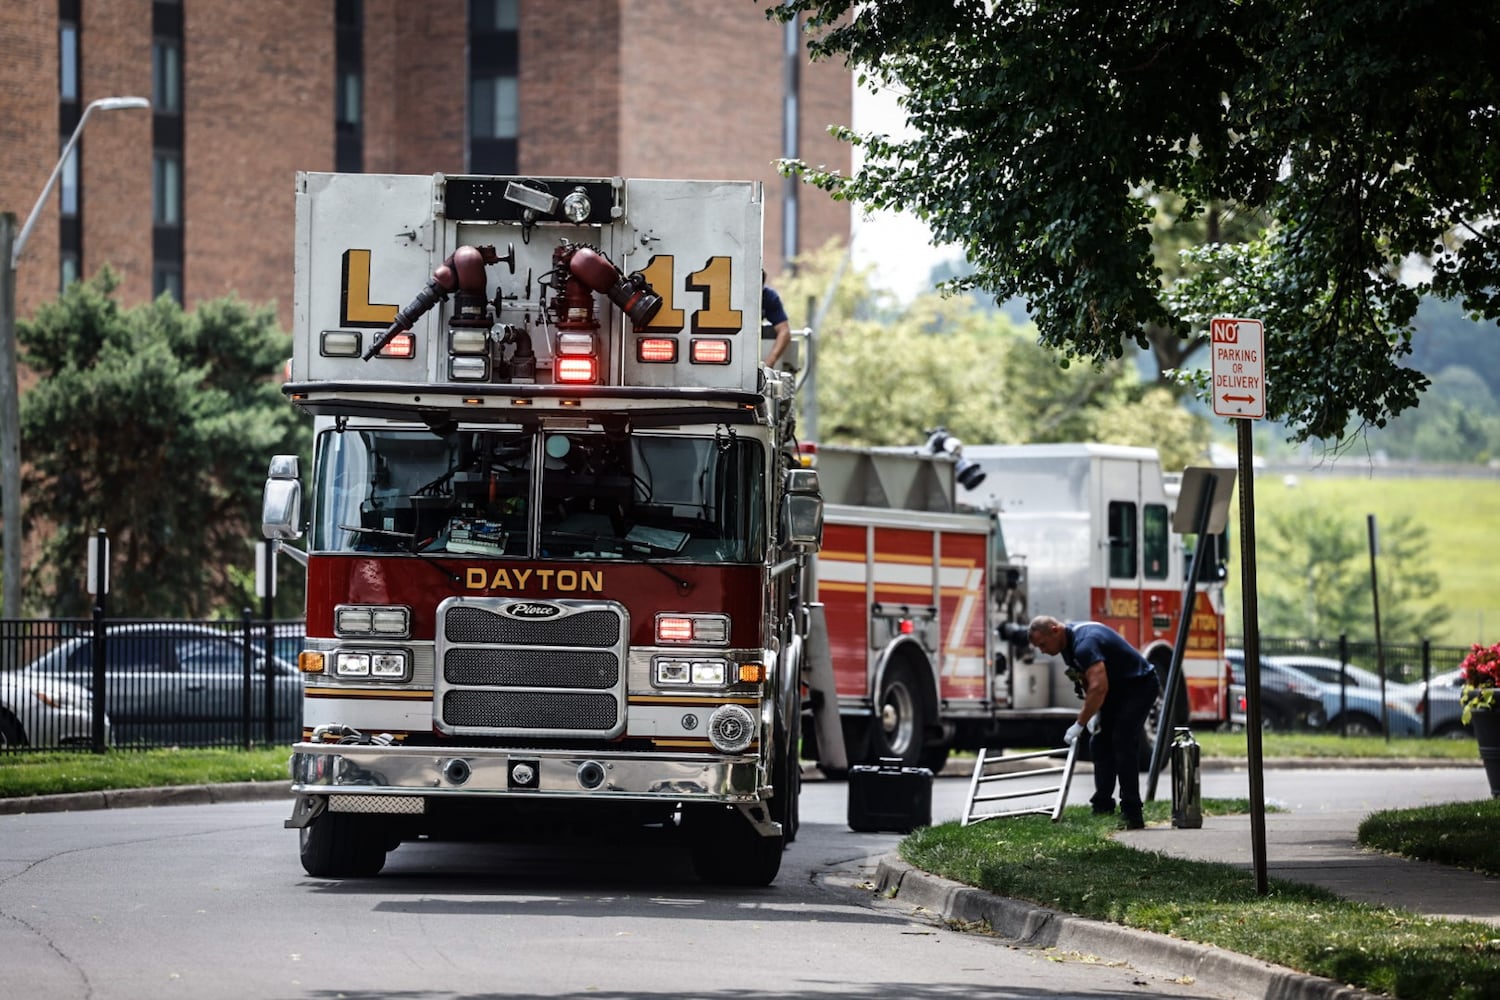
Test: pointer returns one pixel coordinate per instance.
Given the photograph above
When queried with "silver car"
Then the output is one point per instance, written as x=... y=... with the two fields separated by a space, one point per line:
x=1442 y=698
x=180 y=683
x=37 y=711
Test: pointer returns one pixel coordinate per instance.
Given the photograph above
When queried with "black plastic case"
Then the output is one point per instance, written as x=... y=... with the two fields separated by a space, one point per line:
x=889 y=798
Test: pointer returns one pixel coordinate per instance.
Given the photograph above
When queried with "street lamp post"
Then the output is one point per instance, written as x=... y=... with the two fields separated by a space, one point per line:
x=11 y=246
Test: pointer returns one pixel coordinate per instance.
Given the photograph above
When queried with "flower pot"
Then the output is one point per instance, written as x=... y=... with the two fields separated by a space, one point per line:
x=1487 y=733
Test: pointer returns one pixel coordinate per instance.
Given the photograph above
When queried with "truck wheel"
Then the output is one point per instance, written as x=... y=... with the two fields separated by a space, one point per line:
x=786 y=801
x=727 y=850
x=900 y=714
x=339 y=845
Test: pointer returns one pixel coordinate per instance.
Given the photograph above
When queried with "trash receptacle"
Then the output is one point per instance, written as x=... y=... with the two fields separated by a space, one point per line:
x=1187 y=794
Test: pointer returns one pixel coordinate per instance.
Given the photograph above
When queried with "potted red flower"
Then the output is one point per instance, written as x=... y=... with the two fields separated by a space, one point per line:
x=1481 y=673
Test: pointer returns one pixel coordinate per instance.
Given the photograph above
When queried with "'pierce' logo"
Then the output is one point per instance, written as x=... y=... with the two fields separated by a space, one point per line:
x=531 y=611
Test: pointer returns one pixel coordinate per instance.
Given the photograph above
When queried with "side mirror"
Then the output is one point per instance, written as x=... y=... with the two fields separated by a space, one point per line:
x=281 y=506
x=802 y=511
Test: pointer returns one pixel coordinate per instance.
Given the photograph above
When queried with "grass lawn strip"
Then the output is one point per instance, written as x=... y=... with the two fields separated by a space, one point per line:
x=1076 y=867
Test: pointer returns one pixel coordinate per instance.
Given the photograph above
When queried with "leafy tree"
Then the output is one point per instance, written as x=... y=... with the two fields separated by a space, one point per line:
x=1458 y=422
x=1313 y=576
x=1364 y=132
x=889 y=375
x=155 y=425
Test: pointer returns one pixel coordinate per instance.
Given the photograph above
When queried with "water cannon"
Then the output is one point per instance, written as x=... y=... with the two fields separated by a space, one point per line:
x=940 y=442
x=461 y=273
x=632 y=293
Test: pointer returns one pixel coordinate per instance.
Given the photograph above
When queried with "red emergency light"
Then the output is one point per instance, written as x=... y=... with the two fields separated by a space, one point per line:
x=710 y=352
x=576 y=370
x=402 y=345
x=656 y=350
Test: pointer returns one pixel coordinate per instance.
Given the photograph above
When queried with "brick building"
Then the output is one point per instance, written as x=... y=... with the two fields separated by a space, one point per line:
x=194 y=196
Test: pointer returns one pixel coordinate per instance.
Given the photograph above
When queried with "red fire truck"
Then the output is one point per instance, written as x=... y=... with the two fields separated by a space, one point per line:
x=558 y=540
x=933 y=559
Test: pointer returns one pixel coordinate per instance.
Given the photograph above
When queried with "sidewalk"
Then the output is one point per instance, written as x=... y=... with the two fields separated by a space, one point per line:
x=1321 y=850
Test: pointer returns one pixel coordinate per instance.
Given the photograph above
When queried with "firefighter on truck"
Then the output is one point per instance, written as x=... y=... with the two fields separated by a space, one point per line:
x=557 y=541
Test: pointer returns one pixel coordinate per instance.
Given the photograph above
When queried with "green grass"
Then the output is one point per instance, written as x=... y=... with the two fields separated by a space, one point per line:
x=1332 y=746
x=1462 y=834
x=1462 y=520
x=49 y=773
x=1075 y=866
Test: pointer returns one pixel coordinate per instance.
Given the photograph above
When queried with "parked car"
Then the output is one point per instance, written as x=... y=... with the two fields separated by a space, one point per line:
x=1352 y=710
x=1327 y=669
x=45 y=712
x=1286 y=702
x=179 y=683
x=1441 y=694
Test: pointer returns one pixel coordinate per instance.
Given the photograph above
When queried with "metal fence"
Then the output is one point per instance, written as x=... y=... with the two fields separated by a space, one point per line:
x=93 y=684
x=1434 y=709
x=1404 y=663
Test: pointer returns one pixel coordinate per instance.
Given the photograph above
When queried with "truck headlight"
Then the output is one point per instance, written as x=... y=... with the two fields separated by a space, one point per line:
x=381 y=664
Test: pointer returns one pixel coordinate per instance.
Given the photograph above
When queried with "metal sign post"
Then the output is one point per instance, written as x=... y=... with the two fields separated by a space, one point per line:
x=98 y=586
x=1238 y=362
x=1203 y=510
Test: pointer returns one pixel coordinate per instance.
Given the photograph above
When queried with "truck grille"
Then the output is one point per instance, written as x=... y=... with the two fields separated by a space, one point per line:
x=512 y=667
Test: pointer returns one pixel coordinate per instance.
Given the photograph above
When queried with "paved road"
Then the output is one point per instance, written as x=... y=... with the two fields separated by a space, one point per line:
x=121 y=904
x=152 y=901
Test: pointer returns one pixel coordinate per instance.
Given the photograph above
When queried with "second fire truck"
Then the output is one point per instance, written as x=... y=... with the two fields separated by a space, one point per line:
x=935 y=558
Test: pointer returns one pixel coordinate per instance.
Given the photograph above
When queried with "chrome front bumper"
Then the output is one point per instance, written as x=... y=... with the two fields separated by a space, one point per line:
x=380 y=771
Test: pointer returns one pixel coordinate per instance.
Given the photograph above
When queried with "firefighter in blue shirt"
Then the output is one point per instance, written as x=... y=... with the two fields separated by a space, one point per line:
x=1118 y=687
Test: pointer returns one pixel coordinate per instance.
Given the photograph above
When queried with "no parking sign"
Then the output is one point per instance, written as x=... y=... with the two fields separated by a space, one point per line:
x=1238 y=364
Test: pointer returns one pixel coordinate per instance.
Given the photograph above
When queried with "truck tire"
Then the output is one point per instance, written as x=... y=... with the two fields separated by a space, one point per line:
x=786 y=800
x=727 y=850
x=900 y=717
x=340 y=845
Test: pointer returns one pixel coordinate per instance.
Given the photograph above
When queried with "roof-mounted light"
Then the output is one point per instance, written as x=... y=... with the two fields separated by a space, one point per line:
x=576 y=206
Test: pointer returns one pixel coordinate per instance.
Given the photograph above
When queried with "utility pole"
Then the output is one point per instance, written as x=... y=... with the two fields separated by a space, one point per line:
x=10 y=426
x=10 y=392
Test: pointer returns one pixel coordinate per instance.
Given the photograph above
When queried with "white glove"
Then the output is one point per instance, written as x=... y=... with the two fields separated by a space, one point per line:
x=1074 y=731
x=1093 y=723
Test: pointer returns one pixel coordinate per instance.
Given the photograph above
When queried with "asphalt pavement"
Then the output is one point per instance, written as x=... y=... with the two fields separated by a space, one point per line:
x=1310 y=845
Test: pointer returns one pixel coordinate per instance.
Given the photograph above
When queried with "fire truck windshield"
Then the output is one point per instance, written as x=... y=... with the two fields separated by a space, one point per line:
x=475 y=493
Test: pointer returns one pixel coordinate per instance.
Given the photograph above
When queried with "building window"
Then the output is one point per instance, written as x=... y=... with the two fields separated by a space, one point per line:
x=68 y=196
x=67 y=62
x=166 y=279
x=348 y=87
x=166 y=77
x=494 y=74
x=494 y=15
x=349 y=98
x=166 y=189
x=68 y=271
x=493 y=108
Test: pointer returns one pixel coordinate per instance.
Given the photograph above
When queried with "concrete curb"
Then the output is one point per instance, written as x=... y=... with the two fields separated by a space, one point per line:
x=1155 y=954
x=128 y=798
